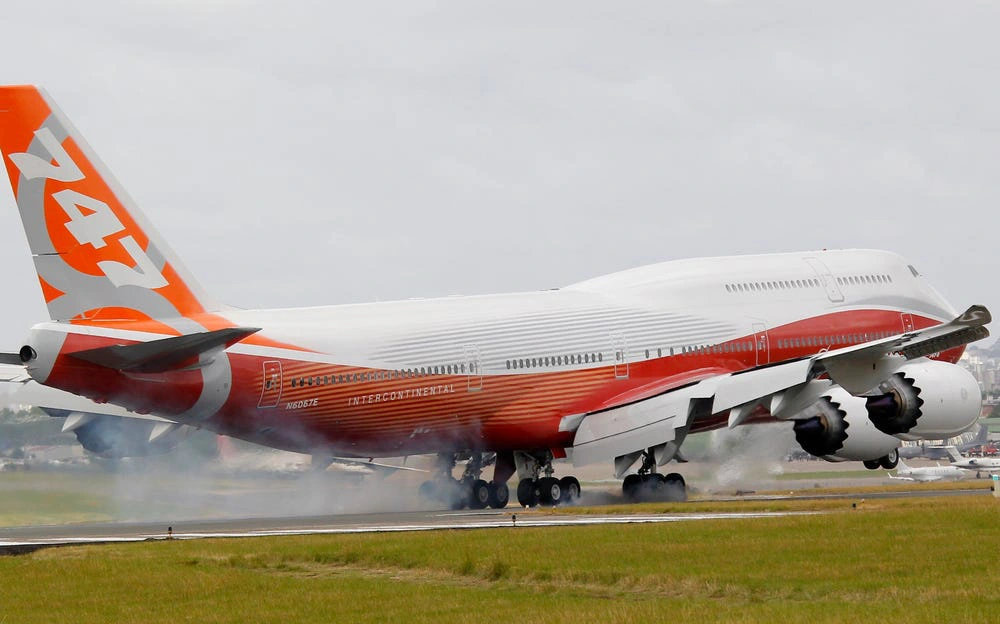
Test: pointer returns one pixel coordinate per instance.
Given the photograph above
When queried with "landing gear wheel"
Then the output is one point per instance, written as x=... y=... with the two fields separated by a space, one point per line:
x=499 y=495
x=674 y=487
x=872 y=464
x=526 y=496
x=891 y=460
x=548 y=490
x=631 y=486
x=570 y=490
x=479 y=494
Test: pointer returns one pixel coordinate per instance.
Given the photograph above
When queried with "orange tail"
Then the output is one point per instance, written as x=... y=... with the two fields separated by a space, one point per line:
x=96 y=256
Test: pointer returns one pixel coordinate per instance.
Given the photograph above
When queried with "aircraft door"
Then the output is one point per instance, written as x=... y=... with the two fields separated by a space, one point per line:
x=761 y=345
x=826 y=278
x=620 y=348
x=474 y=368
x=907 y=319
x=270 y=392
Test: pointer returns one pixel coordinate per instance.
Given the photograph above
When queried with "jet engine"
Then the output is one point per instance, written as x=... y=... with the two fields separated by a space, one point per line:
x=837 y=428
x=926 y=400
x=116 y=437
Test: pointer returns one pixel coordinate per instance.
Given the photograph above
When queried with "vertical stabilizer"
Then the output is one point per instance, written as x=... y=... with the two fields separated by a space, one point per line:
x=96 y=256
x=954 y=454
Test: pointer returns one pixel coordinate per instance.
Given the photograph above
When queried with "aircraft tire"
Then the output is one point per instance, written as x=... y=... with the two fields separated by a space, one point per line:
x=548 y=490
x=890 y=461
x=526 y=496
x=631 y=486
x=479 y=494
x=570 y=493
x=872 y=464
x=674 y=487
x=499 y=495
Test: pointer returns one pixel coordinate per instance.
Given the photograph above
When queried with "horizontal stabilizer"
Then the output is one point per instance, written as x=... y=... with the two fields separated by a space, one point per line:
x=14 y=374
x=159 y=356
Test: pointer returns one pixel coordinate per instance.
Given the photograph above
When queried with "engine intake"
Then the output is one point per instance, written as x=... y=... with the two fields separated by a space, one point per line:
x=837 y=428
x=926 y=400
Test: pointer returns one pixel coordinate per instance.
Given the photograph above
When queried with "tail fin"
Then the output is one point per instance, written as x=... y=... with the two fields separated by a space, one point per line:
x=982 y=436
x=96 y=256
x=954 y=454
x=901 y=466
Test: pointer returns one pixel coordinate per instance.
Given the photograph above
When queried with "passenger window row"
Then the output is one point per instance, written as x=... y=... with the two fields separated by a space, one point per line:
x=826 y=341
x=403 y=373
x=726 y=347
x=555 y=360
x=772 y=285
x=862 y=280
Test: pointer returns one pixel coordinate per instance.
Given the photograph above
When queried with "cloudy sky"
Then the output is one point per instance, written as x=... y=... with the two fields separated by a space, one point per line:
x=323 y=153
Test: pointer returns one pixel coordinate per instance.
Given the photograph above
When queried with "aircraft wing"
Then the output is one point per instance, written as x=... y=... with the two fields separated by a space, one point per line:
x=661 y=421
x=79 y=410
x=371 y=466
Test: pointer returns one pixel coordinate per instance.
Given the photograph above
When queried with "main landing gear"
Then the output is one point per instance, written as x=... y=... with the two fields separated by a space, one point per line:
x=469 y=491
x=888 y=462
x=648 y=485
x=537 y=485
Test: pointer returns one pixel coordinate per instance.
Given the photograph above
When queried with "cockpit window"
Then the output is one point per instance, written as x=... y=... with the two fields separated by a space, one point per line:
x=914 y=271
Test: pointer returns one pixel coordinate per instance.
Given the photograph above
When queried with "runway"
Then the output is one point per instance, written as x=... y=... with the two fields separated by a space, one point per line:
x=20 y=540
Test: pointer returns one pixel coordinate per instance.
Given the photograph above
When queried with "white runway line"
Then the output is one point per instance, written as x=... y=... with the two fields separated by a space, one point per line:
x=498 y=521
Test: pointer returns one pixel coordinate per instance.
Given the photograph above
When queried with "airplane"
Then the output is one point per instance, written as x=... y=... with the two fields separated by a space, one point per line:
x=854 y=349
x=979 y=464
x=925 y=474
x=938 y=451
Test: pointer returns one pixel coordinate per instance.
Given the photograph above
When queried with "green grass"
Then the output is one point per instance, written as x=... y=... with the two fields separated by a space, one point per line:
x=822 y=475
x=49 y=498
x=913 y=560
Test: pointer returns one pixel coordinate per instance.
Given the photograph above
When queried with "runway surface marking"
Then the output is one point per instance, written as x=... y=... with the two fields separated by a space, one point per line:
x=460 y=521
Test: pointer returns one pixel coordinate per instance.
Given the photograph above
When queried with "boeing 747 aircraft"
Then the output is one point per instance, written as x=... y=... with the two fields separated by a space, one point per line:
x=852 y=348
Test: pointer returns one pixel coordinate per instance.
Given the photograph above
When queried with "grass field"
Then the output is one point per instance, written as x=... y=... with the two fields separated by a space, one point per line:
x=906 y=560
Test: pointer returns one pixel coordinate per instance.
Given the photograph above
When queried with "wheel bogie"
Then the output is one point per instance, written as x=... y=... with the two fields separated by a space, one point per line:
x=654 y=487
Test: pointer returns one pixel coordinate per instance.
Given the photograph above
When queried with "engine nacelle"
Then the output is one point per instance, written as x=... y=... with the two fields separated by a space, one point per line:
x=110 y=436
x=926 y=400
x=837 y=428
x=116 y=437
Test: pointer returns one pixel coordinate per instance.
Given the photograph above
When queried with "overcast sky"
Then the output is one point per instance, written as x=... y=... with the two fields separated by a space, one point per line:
x=319 y=153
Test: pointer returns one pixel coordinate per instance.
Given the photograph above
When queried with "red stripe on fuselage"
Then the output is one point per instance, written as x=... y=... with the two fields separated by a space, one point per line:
x=431 y=413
